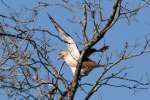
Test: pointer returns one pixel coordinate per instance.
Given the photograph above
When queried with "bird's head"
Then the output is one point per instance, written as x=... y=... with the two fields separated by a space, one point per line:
x=62 y=54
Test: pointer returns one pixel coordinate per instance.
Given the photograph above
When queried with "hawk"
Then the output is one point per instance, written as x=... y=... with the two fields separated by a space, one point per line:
x=72 y=54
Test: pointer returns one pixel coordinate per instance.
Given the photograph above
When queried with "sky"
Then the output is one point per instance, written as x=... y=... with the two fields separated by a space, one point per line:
x=115 y=38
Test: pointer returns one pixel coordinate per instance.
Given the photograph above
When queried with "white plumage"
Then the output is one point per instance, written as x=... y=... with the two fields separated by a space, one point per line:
x=72 y=55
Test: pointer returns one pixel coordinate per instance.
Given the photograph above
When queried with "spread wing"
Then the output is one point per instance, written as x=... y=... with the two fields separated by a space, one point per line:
x=89 y=52
x=72 y=47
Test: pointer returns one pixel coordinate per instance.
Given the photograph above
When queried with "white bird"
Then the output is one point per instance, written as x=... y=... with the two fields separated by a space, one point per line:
x=72 y=55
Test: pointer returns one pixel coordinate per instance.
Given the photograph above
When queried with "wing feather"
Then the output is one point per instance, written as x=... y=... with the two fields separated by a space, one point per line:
x=71 y=45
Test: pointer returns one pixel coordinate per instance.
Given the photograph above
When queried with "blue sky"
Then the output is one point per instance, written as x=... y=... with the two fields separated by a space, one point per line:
x=115 y=38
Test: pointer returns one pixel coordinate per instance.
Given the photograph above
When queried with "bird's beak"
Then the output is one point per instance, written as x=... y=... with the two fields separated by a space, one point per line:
x=59 y=57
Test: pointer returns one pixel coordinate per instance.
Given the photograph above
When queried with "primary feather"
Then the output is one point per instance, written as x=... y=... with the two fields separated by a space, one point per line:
x=72 y=55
